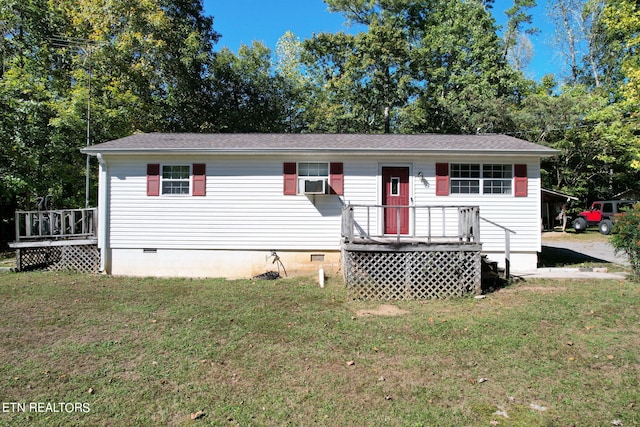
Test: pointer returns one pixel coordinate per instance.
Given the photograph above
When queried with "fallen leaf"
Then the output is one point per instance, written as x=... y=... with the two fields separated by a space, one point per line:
x=90 y=391
x=197 y=415
x=610 y=356
x=351 y=363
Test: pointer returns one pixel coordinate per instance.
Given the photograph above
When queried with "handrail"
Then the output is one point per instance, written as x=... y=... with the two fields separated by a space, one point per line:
x=498 y=225
x=56 y=224
x=507 y=247
x=425 y=222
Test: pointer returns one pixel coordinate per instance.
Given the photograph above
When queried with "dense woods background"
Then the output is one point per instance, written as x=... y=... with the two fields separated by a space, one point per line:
x=418 y=66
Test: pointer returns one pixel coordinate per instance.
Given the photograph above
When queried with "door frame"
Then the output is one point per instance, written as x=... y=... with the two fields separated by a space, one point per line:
x=380 y=189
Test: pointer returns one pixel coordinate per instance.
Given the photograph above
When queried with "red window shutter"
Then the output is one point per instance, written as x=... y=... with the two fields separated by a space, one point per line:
x=290 y=179
x=442 y=179
x=199 y=179
x=153 y=180
x=520 y=182
x=336 y=178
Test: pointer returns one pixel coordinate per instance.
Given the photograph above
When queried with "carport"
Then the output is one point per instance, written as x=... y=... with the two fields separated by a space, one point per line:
x=552 y=202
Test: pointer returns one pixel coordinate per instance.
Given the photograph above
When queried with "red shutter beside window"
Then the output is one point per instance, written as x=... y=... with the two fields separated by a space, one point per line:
x=442 y=179
x=289 y=171
x=520 y=181
x=199 y=179
x=336 y=178
x=153 y=180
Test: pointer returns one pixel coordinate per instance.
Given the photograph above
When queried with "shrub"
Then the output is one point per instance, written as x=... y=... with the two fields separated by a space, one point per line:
x=627 y=236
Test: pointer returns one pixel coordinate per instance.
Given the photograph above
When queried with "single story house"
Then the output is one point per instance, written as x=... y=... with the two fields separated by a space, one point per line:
x=221 y=205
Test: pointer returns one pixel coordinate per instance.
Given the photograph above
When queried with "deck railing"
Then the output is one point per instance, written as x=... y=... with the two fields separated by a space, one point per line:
x=426 y=223
x=56 y=224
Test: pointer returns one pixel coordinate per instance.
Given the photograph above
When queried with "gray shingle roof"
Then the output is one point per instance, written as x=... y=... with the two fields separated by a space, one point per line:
x=300 y=143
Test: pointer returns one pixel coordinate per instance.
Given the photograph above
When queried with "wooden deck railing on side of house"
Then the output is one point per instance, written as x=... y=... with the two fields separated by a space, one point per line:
x=56 y=224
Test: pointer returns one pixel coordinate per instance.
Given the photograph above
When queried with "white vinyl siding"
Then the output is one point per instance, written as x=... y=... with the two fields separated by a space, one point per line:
x=520 y=214
x=245 y=209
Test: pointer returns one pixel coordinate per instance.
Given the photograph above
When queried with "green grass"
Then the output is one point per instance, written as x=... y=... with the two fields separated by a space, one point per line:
x=154 y=351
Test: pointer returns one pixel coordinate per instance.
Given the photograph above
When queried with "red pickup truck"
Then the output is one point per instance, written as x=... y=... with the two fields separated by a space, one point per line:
x=601 y=214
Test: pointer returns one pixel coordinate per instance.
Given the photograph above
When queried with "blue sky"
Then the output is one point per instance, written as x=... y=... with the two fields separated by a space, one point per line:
x=243 y=21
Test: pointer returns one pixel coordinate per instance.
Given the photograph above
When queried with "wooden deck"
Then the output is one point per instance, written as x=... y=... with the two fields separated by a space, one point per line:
x=440 y=256
x=63 y=239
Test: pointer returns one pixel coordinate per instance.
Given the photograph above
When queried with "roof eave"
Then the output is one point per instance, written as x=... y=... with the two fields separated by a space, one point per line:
x=358 y=151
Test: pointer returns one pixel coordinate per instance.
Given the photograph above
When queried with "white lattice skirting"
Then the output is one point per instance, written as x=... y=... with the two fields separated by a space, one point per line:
x=82 y=258
x=411 y=275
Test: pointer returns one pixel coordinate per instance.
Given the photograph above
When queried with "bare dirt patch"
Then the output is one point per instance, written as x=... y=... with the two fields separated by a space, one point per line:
x=383 y=310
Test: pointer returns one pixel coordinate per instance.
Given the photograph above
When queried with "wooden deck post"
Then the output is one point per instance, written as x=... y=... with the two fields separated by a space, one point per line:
x=507 y=255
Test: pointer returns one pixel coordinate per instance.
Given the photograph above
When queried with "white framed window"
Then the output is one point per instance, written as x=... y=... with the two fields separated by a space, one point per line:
x=395 y=186
x=497 y=179
x=313 y=177
x=175 y=179
x=474 y=178
x=465 y=178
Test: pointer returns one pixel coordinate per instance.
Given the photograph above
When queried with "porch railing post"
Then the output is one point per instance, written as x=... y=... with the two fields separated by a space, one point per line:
x=429 y=224
x=398 y=225
x=28 y=223
x=507 y=254
x=413 y=221
x=17 y=224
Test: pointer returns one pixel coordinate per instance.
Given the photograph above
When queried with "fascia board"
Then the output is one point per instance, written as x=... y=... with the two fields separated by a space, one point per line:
x=325 y=151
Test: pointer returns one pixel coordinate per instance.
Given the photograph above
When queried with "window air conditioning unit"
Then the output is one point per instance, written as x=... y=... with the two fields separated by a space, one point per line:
x=315 y=186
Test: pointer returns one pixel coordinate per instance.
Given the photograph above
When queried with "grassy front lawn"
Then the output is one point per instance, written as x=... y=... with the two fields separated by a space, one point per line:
x=154 y=352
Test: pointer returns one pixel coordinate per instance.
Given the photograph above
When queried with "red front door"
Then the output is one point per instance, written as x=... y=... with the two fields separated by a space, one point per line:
x=395 y=192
